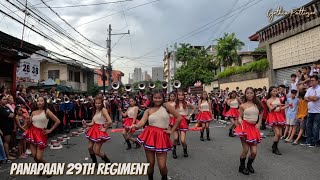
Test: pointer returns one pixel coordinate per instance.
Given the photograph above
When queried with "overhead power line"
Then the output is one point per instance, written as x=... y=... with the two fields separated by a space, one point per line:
x=46 y=37
x=69 y=24
x=117 y=13
x=196 y=31
x=41 y=18
x=227 y=14
x=85 y=5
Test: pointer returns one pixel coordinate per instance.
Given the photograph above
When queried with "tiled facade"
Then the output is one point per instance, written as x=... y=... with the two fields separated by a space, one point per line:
x=299 y=49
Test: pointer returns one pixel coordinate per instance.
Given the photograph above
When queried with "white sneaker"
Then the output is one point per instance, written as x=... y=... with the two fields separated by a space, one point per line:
x=28 y=151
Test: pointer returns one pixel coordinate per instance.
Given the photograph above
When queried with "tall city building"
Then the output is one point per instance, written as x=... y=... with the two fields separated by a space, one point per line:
x=137 y=75
x=146 y=76
x=157 y=73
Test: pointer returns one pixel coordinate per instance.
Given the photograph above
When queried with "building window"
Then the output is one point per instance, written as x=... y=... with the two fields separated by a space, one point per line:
x=70 y=76
x=53 y=74
x=77 y=76
x=84 y=77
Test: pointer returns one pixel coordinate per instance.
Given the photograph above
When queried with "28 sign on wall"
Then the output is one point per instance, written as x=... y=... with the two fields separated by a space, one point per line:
x=29 y=68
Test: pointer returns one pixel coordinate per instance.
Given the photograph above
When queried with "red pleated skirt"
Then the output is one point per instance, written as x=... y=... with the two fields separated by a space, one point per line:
x=248 y=133
x=155 y=139
x=128 y=122
x=275 y=119
x=95 y=135
x=183 y=126
x=36 y=136
x=172 y=121
x=204 y=116
x=233 y=113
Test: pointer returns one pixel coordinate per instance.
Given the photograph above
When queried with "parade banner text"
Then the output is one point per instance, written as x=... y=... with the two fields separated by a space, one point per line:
x=113 y=169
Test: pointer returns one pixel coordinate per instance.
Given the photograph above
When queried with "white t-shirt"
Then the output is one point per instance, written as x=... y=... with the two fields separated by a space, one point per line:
x=294 y=86
x=314 y=106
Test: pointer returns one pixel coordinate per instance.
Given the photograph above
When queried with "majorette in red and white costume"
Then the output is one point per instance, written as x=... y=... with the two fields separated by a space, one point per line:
x=204 y=115
x=249 y=134
x=276 y=118
x=172 y=120
x=183 y=126
x=247 y=131
x=35 y=134
x=131 y=114
x=127 y=122
x=233 y=111
x=154 y=138
x=94 y=133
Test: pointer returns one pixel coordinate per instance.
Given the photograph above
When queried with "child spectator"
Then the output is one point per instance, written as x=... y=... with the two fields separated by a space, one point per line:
x=301 y=116
x=291 y=114
x=294 y=83
x=20 y=130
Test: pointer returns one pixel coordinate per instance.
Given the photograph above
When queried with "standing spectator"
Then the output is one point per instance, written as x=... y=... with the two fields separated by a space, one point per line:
x=304 y=81
x=3 y=157
x=114 y=104
x=6 y=124
x=313 y=123
x=20 y=130
x=301 y=116
x=293 y=103
x=11 y=105
x=294 y=83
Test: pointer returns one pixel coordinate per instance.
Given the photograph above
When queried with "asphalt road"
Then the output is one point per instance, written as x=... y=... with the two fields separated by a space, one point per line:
x=215 y=159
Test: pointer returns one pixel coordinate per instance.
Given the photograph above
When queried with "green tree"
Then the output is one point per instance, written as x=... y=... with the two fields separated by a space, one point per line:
x=196 y=68
x=185 y=53
x=93 y=89
x=227 y=48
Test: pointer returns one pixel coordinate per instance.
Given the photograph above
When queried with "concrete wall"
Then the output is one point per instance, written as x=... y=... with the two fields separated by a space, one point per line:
x=255 y=83
x=211 y=87
x=46 y=66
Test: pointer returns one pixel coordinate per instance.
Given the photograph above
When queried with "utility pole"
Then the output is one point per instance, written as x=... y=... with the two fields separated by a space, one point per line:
x=109 y=68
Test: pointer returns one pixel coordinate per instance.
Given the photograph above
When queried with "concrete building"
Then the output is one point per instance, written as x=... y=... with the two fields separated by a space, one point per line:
x=250 y=56
x=137 y=75
x=157 y=73
x=166 y=65
x=146 y=76
x=116 y=77
x=10 y=55
x=68 y=73
x=291 y=42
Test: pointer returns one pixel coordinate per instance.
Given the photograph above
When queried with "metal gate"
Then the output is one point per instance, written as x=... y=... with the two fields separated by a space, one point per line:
x=283 y=75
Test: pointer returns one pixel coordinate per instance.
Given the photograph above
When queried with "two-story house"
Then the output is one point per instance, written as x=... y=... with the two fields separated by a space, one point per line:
x=68 y=73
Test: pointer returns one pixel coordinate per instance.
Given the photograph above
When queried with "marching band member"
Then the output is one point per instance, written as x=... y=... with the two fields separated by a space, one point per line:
x=97 y=133
x=275 y=117
x=181 y=107
x=131 y=114
x=156 y=137
x=248 y=129
x=37 y=134
x=204 y=115
x=233 y=112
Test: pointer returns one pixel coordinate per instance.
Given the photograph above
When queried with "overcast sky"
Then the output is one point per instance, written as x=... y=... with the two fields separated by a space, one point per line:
x=153 y=27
